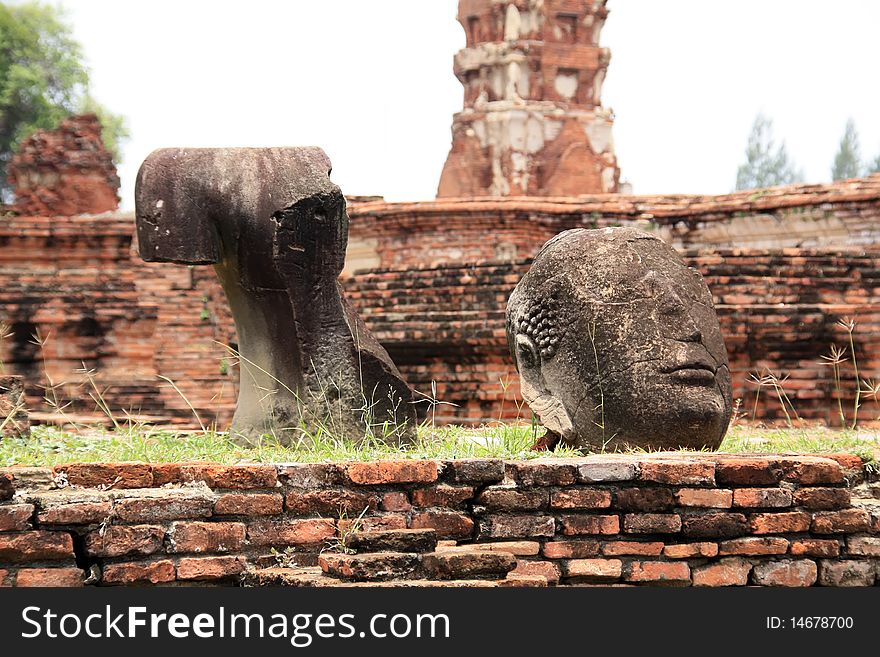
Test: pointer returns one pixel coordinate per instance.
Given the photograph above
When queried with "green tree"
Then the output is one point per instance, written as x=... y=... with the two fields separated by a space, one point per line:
x=766 y=164
x=874 y=167
x=43 y=80
x=847 y=162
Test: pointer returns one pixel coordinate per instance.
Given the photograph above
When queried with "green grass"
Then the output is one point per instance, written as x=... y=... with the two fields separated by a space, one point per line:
x=50 y=446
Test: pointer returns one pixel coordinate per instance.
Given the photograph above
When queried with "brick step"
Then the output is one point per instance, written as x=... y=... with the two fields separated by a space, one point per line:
x=392 y=540
x=315 y=578
x=467 y=564
x=377 y=566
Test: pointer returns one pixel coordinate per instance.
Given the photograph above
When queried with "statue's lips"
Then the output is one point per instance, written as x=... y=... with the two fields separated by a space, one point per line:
x=695 y=371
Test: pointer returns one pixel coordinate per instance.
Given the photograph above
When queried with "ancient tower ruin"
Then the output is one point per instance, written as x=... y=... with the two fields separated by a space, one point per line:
x=532 y=122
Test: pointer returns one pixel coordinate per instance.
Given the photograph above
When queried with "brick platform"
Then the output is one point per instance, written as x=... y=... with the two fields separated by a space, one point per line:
x=666 y=519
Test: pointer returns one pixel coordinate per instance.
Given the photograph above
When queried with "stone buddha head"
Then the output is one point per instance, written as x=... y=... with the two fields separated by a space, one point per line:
x=618 y=345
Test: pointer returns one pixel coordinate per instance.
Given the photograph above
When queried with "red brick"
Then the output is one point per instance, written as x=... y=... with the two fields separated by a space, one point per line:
x=152 y=509
x=761 y=497
x=754 y=545
x=49 y=577
x=542 y=472
x=117 y=541
x=787 y=573
x=5 y=579
x=517 y=526
x=387 y=521
x=634 y=548
x=291 y=532
x=392 y=472
x=846 y=461
x=249 y=504
x=840 y=522
x=713 y=498
x=747 y=472
x=864 y=546
x=815 y=547
x=516 y=548
x=447 y=524
x=312 y=475
x=570 y=549
x=236 y=477
x=201 y=537
x=811 y=470
x=514 y=499
x=726 y=572
x=15 y=517
x=395 y=501
x=847 y=573
x=210 y=568
x=329 y=502
x=677 y=472
x=714 y=525
x=644 y=499
x=546 y=569
x=7 y=489
x=574 y=525
x=155 y=572
x=651 y=523
x=593 y=569
x=35 y=546
x=677 y=572
x=786 y=522
x=76 y=513
x=822 y=499
x=580 y=498
x=690 y=550
x=450 y=497
x=108 y=475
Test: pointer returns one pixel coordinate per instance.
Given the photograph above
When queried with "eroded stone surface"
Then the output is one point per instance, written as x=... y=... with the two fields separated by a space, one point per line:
x=618 y=345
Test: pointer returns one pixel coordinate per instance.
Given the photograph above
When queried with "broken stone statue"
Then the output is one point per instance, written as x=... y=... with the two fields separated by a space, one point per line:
x=275 y=228
x=618 y=345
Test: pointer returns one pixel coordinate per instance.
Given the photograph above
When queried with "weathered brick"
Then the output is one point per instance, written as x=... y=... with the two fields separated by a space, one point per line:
x=450 y=497
x=517 y=526
x=846 y=573
x=864 y=546
x=786 y=522
x=546 y=569
x=383 y=522
x=447 y=524
x=574 y=525
x=76 y=513
x=542 y=472
x=377 y=566
x=5 y=578
x=815 y=547
x=236 y=477
x=395 y=540
x=7 y=490
x=790 y=573
x=466 y=565
x=570 y=549
x=678 y=472
x=199 y=537
x=599 y=469
x=770 y=498
x=593 y=569
x=740 y=471
x=474 y=471
x=249 y=504
x=811 y=470
x=651 y=523
x=108 y=475
x=290 y=532
x=311 y=476
x=35 y=546
x=153 y=509
x=754 y=545
x=210 y=568
x=329 y=502
x=516 y=548
x=673 y=572
x=644 y=499
x=49 y=577
x=711 y=498
x=715 y=525
x=395 y=501
x=26 y=477
x=632 y=548
x=732 y=571
x=119 y=540
x=373 y=473
x=822 y=499
x=155 y=572
x=580 y=498
x=516 y=499
x=840 y=522
x=690 y=550
x=15 y=517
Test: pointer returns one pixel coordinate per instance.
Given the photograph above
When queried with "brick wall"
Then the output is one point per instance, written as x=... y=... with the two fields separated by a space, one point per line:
x=706 y=520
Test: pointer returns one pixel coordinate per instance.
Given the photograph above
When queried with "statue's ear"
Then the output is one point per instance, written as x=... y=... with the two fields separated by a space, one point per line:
x=174 y=223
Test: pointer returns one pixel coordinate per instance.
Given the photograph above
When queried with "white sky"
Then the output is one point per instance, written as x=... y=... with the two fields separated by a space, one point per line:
x=371 y=82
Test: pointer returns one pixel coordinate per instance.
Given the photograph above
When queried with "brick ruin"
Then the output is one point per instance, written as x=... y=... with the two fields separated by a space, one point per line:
x=532 y=123
x=636 y=520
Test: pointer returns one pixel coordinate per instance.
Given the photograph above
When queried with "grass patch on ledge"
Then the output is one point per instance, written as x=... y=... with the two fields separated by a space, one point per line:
x=50 y=446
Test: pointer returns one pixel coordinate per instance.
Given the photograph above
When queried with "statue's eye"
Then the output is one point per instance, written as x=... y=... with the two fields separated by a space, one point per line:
x=527 y=352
